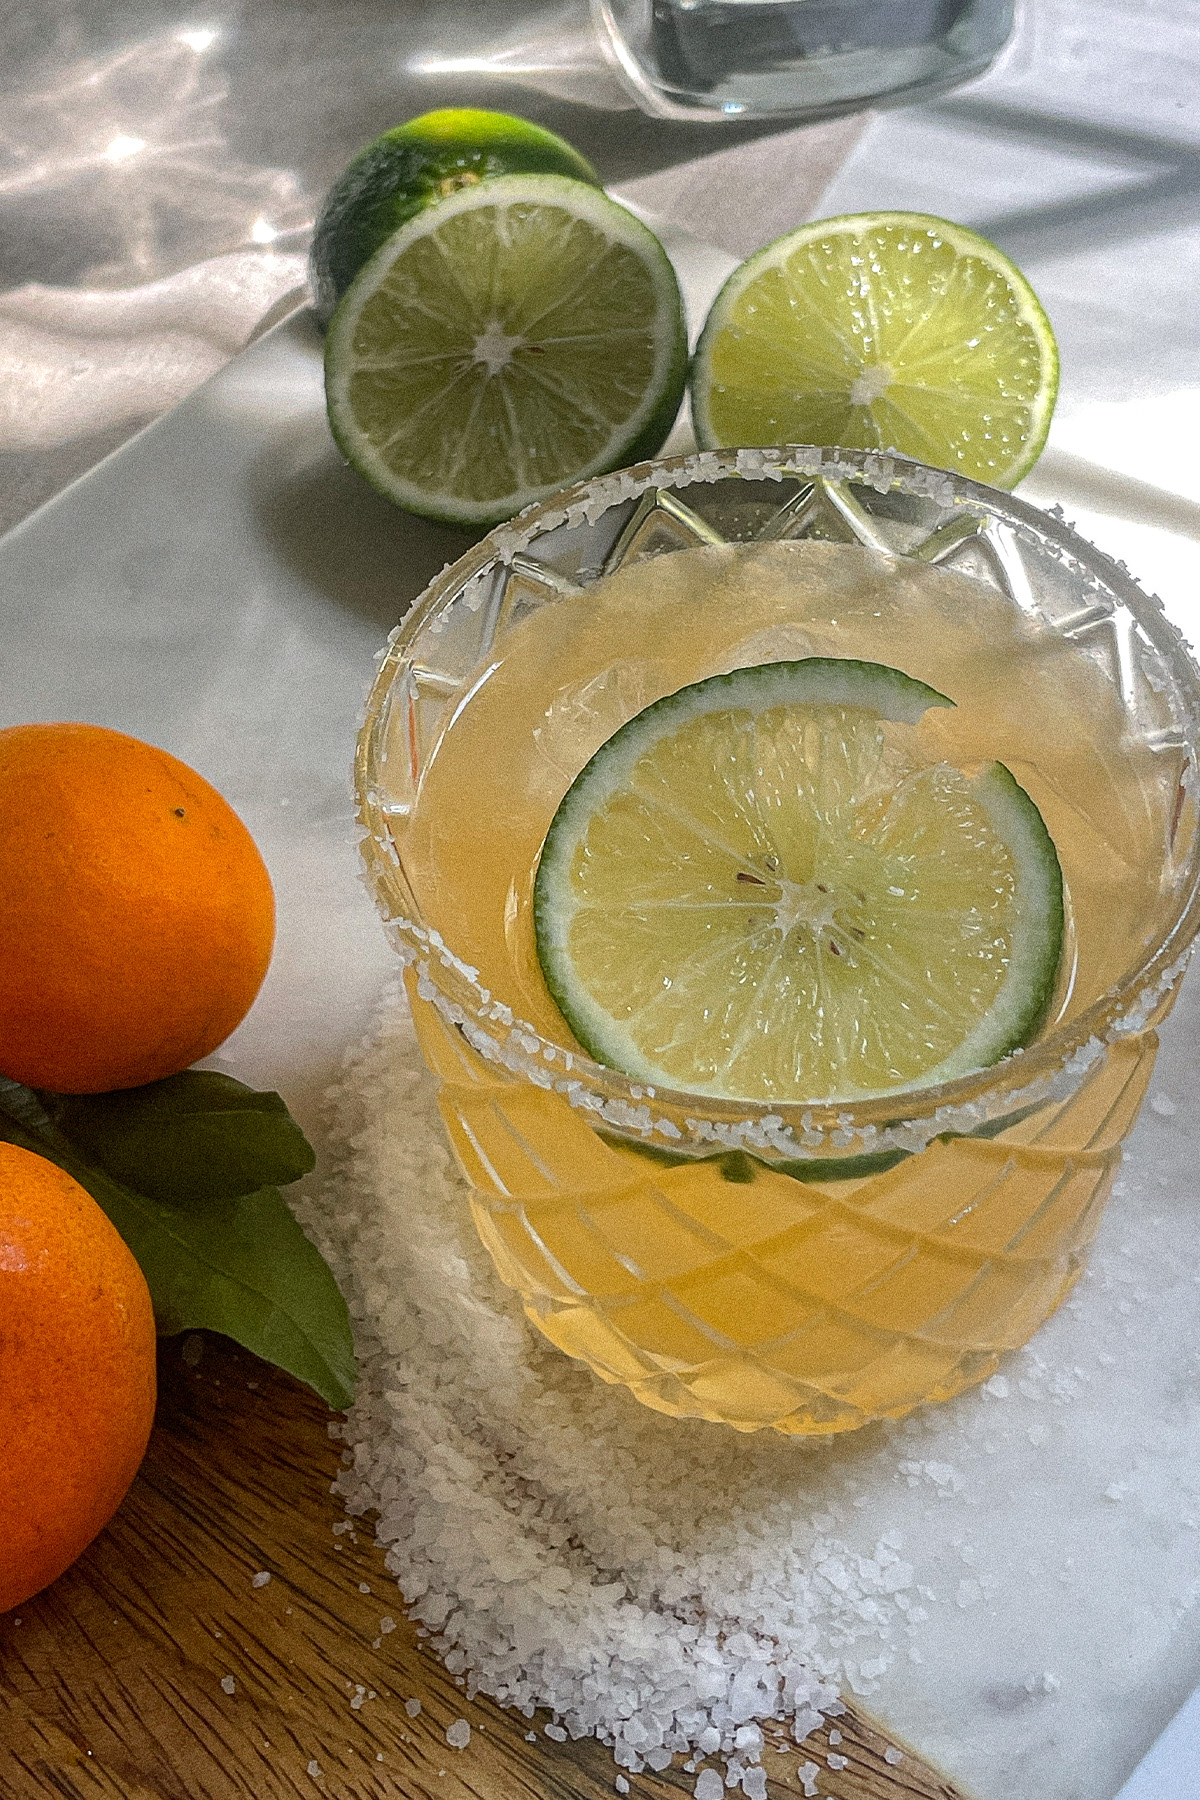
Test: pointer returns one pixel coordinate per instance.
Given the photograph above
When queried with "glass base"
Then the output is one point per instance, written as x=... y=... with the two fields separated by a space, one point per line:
x=803 y=59
x=745 y=1296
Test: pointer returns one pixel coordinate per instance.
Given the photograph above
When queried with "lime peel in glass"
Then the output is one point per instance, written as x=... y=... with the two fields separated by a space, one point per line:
x=889 y=330
x=522 y=334
x=756 y=891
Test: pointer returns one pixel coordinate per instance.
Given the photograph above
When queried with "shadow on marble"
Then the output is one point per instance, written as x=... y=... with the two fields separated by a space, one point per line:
x=1167 y=199
x=341 y=537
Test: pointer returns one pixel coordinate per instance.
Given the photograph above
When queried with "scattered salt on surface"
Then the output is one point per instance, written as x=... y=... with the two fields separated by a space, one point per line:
x=315 y=1769
x=261 y=1579
x=364 y=1587
x=893 y=1756
x=621 y=1785
x=650 y=1581
x=1163 y=1105
x=665 y=1604
x=228 y=1684
x=458 y=1735
x=412 y=1707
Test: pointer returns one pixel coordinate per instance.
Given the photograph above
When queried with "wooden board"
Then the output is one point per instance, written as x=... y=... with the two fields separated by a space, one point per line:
x=110 y=1681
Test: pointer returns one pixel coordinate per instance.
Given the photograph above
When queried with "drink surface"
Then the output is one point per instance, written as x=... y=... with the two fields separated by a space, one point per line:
x=577 y=670
x=724 y=1288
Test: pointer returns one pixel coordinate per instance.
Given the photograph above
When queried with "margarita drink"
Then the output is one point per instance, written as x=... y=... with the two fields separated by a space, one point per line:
x=752 y=1288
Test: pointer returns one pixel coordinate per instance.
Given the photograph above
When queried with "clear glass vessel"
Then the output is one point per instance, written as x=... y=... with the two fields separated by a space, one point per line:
x=797 y=58
x=737 y=59
x=804 y=1266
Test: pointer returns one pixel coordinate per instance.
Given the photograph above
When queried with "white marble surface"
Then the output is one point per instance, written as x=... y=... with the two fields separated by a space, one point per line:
x=221 y=585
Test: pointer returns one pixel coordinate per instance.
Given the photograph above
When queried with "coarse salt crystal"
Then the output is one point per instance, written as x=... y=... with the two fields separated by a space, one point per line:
x=412 y=1707
x=228 y=1684
x=261 y=1579
x=458 y=1735
x=893 y=1756
x=537 y=1534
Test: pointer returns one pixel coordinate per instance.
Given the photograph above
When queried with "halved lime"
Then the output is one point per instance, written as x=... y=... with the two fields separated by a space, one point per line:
x=409 y=168
x=519 y=335
x=756 y=889
x=890 y=331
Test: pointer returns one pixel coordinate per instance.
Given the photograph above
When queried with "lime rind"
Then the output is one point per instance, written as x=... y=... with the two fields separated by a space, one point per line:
x=412 y=167
x=638 y=434
x=807 y=681
x=1025 y=998
x=921 y=435
x=1026 y=991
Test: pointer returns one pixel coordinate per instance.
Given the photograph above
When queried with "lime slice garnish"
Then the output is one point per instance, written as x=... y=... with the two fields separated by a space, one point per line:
x=411 y=167
x=521 y=334
x=890 y=331
x=756 y=890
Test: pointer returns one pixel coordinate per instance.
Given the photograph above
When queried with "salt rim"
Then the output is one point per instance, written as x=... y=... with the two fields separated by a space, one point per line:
x=517 y=1047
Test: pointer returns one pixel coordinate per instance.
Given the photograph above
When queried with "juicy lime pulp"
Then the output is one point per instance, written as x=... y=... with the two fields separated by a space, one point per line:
x=890 y=331
x=754 y=890
x=411 y=167
x=522 y=334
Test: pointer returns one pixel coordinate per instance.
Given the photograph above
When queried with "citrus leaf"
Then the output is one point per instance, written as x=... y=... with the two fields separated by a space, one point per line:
x=241 y=1265
x=195 y=1137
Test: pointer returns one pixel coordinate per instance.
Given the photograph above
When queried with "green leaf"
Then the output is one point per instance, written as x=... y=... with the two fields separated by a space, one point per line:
x=190 y=1139
x=239 y=1265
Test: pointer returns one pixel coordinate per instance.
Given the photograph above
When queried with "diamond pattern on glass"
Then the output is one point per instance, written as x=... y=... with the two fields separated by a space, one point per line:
x=810 y=1306
x=782 y=1302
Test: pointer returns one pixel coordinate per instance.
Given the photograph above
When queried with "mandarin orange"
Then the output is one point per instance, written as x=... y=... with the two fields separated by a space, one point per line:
x=77 y=1377
x=136 y=913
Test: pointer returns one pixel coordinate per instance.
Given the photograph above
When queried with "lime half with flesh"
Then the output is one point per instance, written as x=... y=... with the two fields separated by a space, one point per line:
x=412 y=167
x=889 y=331
x=756 y=890
x=522 y=334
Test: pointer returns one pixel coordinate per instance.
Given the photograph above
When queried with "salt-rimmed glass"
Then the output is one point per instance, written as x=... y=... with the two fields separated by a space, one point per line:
x=953 y=1219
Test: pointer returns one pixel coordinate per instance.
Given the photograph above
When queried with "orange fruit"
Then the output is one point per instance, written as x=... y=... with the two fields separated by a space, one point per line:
x=136 y=914
x=76 y=1371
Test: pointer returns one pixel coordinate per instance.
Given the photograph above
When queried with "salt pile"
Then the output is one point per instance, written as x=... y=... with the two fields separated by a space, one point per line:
x=657 y=1582
x=671 y=1587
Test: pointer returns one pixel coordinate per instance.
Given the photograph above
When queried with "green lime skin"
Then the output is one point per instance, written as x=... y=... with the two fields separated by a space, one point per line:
x=411 y=167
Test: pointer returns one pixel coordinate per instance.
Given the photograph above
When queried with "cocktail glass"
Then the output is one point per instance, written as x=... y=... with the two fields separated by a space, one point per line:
x=804 y=1266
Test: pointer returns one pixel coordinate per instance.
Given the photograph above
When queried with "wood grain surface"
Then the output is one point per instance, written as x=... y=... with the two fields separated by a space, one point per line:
x=156 y=1670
